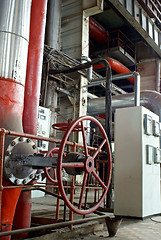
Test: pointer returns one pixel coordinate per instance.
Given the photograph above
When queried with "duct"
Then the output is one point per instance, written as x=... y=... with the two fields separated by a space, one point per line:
x=14 y=35
x=149 y=99
x=31 y=99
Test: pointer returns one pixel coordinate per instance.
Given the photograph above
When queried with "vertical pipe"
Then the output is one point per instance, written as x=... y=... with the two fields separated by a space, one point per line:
x=108 y=121
x=2 y=141
x=32 y=94
x=90 y=69
x=157 y=88
x=14 y=34
x=137 y=88
x=53 y=25
x=53 y=40
x=34 y=66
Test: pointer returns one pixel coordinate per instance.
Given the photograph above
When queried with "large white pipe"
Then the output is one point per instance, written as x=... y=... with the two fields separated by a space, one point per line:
x=148 y=99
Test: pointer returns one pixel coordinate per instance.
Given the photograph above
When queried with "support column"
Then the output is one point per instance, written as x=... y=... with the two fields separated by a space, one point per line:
x=75 y=39
x=149 y=70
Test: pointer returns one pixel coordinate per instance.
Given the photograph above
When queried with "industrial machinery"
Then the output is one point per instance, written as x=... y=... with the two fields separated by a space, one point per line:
x=75 y=158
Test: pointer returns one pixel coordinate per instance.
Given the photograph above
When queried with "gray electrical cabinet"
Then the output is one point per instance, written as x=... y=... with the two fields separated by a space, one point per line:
x=137 y=163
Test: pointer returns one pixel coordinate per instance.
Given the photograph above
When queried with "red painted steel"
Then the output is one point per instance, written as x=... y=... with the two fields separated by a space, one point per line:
x=88 y=168
x=32 y=94
x=34 y=66
x=116 y=66
x=11 y=102
x=46 y=169
x=65 y=126
x=9 y=201
x=97 y=32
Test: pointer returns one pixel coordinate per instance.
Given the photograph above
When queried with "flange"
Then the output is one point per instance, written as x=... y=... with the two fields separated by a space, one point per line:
x=13 y=170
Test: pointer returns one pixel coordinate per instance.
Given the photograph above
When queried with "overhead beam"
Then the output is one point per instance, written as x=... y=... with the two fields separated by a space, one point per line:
x=136 y=24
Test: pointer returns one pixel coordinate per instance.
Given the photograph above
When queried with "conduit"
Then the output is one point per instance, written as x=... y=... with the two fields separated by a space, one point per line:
x=116 y=66
x=14 y=34
x=32 y=94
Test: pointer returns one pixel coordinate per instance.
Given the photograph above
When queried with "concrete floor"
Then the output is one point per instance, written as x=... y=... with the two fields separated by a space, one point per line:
x=130 y=229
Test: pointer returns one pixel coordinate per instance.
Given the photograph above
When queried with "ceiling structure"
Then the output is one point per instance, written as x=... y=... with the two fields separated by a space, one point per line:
x=130 y=45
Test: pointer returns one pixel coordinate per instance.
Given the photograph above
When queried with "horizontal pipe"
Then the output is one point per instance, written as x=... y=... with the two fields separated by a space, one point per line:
x=12 y=133
x=54 y=225
x=134 y=74
x=79 y=66
x=116 y=66
x=148 y=99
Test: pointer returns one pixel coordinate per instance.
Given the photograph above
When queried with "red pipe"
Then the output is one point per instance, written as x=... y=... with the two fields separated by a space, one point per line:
x=97 y=32
x=34 y=66
x=116 y=66
x=31 y=99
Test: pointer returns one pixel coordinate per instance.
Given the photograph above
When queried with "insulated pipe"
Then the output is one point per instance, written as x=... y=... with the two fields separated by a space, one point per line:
x=148 y=99
x=53 y=27
x=32 y=94
x=14 y=34
x=52 y=39
x=117 y=67
x=97 y=32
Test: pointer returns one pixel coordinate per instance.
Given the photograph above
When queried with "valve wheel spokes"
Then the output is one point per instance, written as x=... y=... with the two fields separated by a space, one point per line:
x=82 y=190
x=84 y=140
x=52 y=179
x=88 y=166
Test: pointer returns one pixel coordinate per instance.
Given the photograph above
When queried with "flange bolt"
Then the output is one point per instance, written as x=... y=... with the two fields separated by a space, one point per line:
x=13 y=143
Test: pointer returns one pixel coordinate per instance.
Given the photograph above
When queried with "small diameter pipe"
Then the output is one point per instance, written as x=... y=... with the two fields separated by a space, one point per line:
x=134 y=74
x=53 y=226
x=90 y=69
x=137 y=88
x=157 y=88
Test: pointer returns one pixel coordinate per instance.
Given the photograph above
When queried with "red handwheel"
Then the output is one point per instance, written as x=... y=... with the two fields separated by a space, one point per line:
x=52 y=179
x=84 y=161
